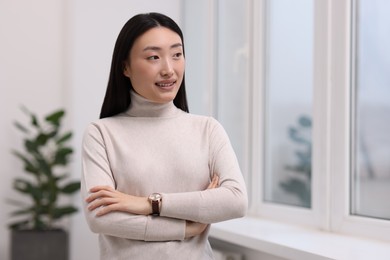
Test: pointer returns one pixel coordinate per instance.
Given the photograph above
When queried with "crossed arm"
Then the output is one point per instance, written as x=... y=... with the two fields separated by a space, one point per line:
x=109 y=200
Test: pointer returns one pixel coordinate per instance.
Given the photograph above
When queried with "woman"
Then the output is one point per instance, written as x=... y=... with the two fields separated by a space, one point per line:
x=155 y=176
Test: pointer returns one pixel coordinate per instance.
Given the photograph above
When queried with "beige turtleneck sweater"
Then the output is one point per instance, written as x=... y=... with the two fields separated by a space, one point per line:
x=159 y=148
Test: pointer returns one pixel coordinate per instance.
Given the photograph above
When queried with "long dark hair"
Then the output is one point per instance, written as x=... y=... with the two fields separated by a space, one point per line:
x=117 y=98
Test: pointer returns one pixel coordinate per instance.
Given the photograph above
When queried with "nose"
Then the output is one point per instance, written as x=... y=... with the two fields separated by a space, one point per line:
x=167 y=69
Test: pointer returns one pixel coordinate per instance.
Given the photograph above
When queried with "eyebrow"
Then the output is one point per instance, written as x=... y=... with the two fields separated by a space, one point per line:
x=155 y=48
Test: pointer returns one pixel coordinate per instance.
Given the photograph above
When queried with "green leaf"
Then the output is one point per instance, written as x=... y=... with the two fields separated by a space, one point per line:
x=304 y=157
x=25 y=110
x=28 y=165
x=18 y=225
x=62 y=211
x=16 y=203
x=305 y=121
x=31 y=168
x=22 y=212
x=41 y=139
x=53 y=133
x=64 y=138
x=55 y=117
x=31 y=146
x=296 y=136
x=21 y=127
x=71 y=187
x=44 y=167
x=23 y=186
x=296 y=168
x=52 y=195
x=61 y=177
x=62 y=154
x=40 y=210
x=39 y=224
x=299 y=189
x=34 y=120
x=21 y=156
x=28 y=188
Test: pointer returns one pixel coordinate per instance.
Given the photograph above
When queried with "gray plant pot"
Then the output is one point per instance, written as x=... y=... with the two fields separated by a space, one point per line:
x=39 y=245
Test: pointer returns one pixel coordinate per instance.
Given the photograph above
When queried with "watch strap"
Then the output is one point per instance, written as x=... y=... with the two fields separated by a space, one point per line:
x=155 y=207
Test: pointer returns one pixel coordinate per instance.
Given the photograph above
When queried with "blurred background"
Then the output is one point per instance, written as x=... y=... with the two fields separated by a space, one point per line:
x=251 y=64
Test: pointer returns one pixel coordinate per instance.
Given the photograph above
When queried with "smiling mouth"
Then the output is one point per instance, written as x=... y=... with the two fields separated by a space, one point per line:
x=166 y=85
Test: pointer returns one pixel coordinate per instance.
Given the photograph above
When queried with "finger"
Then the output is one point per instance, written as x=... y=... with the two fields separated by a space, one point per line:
x=99 y=194
x=210 y=186
x=101 y=202
x=98 y=188
x=214 y=182
x=107 y=209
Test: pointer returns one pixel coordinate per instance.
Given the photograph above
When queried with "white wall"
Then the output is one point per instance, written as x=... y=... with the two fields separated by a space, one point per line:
x=31 y=65
x=56 y=54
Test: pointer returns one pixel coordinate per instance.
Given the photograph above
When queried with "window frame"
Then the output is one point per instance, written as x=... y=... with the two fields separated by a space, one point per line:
x=343 y=91
x=332 y=125
x=313 y=216
x=333 y=80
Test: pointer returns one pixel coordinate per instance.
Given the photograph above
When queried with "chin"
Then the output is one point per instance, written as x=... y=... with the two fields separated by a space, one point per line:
x=166 y=97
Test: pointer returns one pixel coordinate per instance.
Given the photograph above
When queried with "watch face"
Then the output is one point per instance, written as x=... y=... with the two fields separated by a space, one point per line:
x=155 y=196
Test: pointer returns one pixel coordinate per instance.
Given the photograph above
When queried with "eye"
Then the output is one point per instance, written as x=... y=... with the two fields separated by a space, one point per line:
x=154 y=57
x=178 y=55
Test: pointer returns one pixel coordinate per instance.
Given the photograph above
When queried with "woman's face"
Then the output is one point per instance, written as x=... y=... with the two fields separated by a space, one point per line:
x=156 y=64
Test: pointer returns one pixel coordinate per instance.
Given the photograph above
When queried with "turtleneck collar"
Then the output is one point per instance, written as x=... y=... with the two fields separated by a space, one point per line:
x=142 y=107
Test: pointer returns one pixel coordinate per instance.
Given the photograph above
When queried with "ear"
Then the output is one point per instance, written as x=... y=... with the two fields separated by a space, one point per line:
x=126 y=69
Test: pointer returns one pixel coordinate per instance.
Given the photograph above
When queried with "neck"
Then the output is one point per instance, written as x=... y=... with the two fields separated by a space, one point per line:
x=142 y=107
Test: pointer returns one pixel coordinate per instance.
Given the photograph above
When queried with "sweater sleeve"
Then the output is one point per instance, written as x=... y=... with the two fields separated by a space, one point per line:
x=226 y=202
x=96 y=171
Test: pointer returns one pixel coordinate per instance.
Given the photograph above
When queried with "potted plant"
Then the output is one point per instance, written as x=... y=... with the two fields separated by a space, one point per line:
x=35 y=232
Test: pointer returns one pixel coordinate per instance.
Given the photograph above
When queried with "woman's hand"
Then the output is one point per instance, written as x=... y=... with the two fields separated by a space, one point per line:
x=110 y=200
x=214 y=182
x=194 y=228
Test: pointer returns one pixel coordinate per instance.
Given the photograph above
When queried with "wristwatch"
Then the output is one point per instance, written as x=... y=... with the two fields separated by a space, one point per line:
x=155 y=200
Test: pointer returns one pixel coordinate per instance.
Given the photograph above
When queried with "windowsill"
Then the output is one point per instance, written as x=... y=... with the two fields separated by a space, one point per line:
x=294 y=242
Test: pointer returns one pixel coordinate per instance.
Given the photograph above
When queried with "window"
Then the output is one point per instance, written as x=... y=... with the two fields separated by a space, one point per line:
x=289 y=84
x=302 y=89
x=233 y=74
x=371 y=151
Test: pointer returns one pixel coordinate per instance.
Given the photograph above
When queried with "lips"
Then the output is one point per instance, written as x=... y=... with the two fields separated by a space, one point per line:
x=166 y=84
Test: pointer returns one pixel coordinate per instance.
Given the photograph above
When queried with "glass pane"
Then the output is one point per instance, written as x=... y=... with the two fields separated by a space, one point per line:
x=233 y=74
x=371 y=177
x=289 y=70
